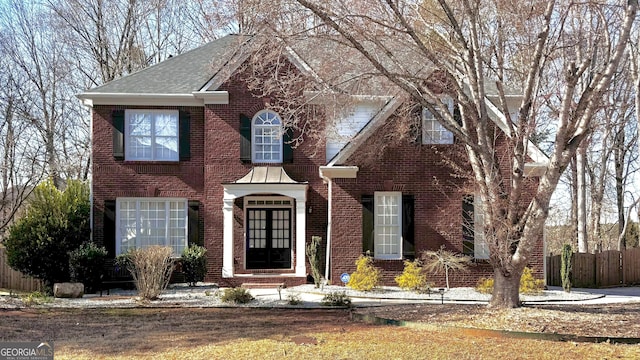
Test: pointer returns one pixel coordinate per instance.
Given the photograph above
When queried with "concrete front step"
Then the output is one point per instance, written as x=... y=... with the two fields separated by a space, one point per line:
x=262 y=285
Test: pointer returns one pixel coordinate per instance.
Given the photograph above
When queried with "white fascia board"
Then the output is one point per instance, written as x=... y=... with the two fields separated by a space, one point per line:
x=133 y=99
x=535 y=169
x=501 y=120
x=368 y=130
x=338 y=172
x=296 y=191
x=212 y=97
x=224 y=74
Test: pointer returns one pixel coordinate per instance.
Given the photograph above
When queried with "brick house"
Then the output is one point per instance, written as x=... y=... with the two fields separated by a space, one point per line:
x=183 y=153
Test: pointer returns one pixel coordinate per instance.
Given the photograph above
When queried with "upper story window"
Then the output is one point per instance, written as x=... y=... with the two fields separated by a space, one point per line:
x=151 y=135
x=432 y=131
x=266 y=137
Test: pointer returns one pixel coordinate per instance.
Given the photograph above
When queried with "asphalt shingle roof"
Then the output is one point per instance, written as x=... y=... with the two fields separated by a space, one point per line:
x=180 y=74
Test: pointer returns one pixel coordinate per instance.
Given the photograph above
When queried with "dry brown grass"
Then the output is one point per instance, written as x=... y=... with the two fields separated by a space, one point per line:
x=241 y=333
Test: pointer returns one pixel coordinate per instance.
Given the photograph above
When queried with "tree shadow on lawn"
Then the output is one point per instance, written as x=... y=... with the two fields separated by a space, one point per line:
x=122 y=331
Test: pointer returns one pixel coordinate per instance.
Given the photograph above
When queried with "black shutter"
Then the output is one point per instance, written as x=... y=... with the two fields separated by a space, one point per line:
x=457 y=116
x=109 y=227
x=367 y=224
x=408 y=240
x=287 y=151
x=194 y=237
x=245 y=139
x=467 y=225
x=117 y=117
x=184 y=142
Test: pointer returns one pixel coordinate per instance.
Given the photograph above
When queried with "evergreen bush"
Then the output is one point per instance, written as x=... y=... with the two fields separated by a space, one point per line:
x=566 y=267
x=194 y=264
x=237 y=295
x=86 y=265
x=336 y=299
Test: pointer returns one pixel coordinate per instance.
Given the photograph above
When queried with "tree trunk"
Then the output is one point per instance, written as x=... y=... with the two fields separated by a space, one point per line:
x=618 y=154
x=583 y=246
x=506 y=289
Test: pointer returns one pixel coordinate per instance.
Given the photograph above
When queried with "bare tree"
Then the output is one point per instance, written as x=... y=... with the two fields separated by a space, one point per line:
x=462 y=49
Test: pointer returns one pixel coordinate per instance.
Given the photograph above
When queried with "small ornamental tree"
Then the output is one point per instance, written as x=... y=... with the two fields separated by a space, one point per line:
x=54 y=224
x=444 y=262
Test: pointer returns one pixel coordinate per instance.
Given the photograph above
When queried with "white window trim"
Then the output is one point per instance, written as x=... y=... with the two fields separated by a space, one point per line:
x=427 y=135
x=376 y=201
x=254 y=142
x=127 y=136
x=480 y=248
x=138 y=200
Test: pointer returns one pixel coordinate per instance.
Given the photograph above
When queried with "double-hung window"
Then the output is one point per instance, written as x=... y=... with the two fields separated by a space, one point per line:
x=388 y=225
x=144 y=222
x=266 y=137
x=151 y=135
x=473 y=240
x=432 y=131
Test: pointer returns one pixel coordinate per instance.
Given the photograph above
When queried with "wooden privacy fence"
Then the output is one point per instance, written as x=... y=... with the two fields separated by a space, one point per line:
x=15 y=280
x=608 y=268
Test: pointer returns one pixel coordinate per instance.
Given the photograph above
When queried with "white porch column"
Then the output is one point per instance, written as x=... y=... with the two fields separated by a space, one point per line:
x=227 y=239
x=301 y=231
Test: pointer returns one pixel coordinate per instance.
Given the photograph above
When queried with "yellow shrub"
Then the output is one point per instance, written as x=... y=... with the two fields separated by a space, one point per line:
x=413 y=277
x=366 y=276
x=528 y=284
x=485 y=286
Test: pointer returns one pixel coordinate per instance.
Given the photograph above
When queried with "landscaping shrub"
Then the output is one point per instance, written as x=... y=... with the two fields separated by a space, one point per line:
x=237 y=295
x=313 y=253
x=86 y=264
x=294 y=299
x=445 y=261
x=485 y=286
x=54 y=223
x=413 y=277
x=151 y=269
x=366 y=277
x=530 y=285
x=566 y=267
x=336 y=299
x=194 y=264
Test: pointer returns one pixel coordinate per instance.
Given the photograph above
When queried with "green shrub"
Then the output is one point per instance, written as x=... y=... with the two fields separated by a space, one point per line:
x=413 y=277
x=86 y=264
x=294 y=299
x=336 y=299
x=566 y=267
x=151 y=269
x=313 y=253
x=238 y=295
x=530 y=285
x=194 y=264
x=55 y=222
x=366 y=277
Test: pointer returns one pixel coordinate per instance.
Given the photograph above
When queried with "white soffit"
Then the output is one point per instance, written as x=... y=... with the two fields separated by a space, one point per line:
x=338 y=172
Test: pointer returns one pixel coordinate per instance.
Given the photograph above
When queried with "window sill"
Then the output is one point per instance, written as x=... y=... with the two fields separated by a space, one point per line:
x=150 y=162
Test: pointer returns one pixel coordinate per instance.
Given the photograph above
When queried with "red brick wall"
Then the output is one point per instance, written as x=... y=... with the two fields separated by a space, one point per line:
x=424 y=171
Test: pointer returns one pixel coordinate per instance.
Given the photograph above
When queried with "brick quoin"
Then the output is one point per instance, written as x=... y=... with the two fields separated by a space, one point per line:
x=418 y=170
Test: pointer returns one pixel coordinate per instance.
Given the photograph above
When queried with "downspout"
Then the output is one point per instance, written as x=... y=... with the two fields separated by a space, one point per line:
x=329 y=216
